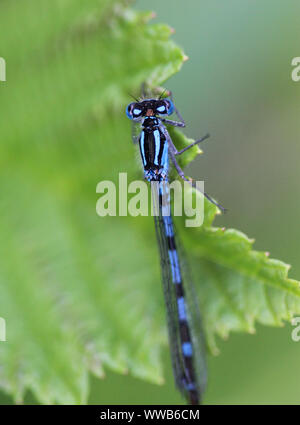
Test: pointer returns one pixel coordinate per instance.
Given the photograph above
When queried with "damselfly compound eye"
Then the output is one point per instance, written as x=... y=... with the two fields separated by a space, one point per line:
x=161 y=109
x=164 y=107
x=133 y=111
x=136 y=112
x=170 y=106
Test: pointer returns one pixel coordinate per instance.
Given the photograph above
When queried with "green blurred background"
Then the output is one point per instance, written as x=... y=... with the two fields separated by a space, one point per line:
x=237 y=86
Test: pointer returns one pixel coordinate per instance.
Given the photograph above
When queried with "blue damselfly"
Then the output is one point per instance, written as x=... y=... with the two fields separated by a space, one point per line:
x=186 y=338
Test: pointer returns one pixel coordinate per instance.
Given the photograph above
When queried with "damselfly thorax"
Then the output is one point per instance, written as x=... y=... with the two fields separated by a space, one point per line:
x=154 y=149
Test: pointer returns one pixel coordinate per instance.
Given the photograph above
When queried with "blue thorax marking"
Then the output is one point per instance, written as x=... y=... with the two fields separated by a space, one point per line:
x=142 y=145
x=157 y=139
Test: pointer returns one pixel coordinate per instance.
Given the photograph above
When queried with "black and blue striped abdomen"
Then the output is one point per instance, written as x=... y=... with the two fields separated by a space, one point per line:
x=182 y=322
x=187 y=380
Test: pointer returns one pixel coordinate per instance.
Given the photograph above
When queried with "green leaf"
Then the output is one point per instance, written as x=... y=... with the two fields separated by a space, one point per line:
x=81 y=293
x=240 y=286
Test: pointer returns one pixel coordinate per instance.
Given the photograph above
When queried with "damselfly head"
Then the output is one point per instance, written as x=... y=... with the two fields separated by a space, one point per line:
x=149 y=108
